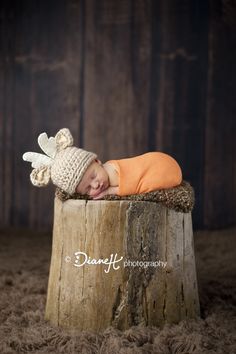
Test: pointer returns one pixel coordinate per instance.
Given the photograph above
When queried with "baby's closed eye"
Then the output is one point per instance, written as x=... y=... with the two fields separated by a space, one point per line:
x=94 y=175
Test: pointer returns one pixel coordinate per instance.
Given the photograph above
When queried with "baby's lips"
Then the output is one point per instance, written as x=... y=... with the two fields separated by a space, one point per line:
x=96 y=195
x=99 y=195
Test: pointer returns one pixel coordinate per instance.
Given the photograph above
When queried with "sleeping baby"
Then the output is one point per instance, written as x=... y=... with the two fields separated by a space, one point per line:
x=75 y=170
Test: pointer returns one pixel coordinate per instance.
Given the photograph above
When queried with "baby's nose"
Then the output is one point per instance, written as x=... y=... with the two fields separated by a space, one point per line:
x=95 y=184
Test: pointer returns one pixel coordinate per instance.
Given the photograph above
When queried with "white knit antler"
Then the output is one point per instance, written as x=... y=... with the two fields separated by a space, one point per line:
x=49 y=148
x=41 y=163
x=48 y=145
x=37 y=160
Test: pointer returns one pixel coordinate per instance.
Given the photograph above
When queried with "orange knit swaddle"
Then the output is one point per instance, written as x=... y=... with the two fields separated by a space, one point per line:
x=146 y=173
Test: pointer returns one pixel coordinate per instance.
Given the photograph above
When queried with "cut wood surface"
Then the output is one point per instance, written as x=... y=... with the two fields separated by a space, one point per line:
x=96 y=296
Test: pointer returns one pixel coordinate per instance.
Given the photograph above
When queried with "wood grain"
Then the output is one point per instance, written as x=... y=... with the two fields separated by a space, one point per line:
x=89 y=298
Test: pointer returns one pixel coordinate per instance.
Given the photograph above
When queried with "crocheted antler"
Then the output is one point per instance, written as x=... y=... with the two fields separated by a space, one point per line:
x=40 y=176
x=48 y=146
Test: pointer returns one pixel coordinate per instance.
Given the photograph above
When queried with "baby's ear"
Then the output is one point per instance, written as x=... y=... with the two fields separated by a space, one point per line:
x=40 y=177
x=63 y=139
x=98 y=161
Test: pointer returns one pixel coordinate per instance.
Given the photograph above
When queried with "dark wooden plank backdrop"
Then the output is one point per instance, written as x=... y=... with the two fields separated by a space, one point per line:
x=126 y=77
x=220 y=131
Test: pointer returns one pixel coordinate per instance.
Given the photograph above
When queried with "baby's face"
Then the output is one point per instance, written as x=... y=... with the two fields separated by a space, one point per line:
x=94 y=181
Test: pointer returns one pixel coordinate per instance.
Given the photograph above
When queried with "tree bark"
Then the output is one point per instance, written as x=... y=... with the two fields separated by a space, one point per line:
x=96 y=296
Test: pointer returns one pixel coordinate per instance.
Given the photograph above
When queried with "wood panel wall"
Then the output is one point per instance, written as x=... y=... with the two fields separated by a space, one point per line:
x=126 y=77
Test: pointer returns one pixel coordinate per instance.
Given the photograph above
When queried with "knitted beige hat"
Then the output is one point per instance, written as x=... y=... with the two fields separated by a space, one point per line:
x=63 y=163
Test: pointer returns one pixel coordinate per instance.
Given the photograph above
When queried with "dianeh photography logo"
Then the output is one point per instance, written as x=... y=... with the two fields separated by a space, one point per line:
x=114 y=262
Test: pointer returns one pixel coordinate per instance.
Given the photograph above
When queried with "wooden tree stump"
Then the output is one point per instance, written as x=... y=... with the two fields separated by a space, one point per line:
x=93 y=297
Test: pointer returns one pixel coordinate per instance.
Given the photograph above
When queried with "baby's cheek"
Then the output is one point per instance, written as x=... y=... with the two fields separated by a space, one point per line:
x=77 y=189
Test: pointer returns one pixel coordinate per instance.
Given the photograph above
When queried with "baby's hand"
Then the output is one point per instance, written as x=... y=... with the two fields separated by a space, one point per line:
x=110 y=190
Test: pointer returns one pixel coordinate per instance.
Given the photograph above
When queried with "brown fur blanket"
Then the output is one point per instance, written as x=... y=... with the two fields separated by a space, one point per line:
x=24 y=268
x=180 y=198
